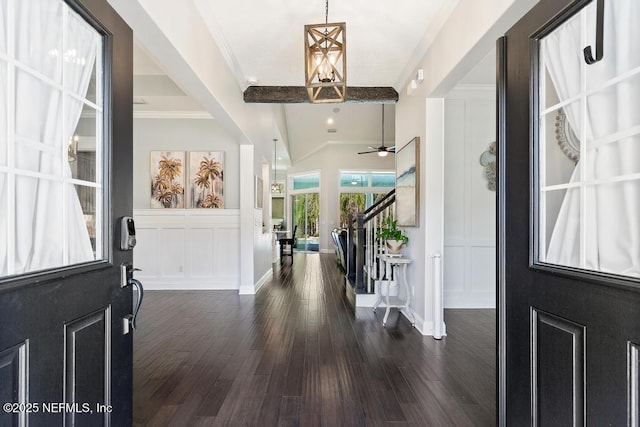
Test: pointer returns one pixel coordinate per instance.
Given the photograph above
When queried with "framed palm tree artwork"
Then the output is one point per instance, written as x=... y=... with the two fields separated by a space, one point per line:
x=206 y=179
x=167 y=179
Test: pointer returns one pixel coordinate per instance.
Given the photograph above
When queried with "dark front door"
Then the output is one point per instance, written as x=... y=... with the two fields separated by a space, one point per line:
x=570 y=215
x=65 y=182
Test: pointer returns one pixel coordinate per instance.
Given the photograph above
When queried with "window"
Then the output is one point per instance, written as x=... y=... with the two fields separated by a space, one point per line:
x=51 y=116
x=305 y=182
x=588 y=145
x=360 y=190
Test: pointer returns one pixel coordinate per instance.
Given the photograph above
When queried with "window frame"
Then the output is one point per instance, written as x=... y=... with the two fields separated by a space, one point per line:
x=12 y=282
x=536 y=144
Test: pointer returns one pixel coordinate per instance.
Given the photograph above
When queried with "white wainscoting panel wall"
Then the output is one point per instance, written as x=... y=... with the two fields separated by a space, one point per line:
x=188 y=249
x=469 y=258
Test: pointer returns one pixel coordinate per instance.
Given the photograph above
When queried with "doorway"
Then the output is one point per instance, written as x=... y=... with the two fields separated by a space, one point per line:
x=305 y=214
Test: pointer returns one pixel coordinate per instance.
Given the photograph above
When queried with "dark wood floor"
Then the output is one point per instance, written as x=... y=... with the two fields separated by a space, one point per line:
x=296 y=355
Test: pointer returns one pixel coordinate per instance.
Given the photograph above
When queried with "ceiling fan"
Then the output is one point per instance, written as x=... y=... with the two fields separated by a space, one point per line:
x=382 y=150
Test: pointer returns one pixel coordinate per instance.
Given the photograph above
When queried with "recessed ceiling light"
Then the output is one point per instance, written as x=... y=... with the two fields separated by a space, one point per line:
x=329 y=121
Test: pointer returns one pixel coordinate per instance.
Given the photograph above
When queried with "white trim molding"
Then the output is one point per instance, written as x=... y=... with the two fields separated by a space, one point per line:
x=253 y=289
x=188 y=248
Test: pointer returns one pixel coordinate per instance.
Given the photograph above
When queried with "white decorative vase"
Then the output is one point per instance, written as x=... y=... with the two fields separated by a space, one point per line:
x=394 y=247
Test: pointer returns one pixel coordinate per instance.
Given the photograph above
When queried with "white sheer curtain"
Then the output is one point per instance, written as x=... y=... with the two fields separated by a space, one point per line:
x=612 y=210
x=46 y=215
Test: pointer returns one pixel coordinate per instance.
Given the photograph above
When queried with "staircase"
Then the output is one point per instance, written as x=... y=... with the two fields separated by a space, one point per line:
x=364 y=270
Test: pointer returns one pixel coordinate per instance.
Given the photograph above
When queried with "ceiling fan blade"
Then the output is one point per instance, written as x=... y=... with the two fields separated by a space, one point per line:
x=372 y=148
x=367 y=152
x=391 y=149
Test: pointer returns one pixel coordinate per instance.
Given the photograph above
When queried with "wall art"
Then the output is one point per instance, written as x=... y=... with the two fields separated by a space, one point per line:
x=167 y=179
x=206 y=179
x=408 y=184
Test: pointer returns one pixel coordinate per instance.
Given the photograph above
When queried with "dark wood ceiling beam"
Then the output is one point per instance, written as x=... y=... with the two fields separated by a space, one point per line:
x=298 y=95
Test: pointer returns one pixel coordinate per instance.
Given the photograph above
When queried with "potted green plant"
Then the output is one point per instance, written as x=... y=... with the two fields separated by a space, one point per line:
x=394 y=238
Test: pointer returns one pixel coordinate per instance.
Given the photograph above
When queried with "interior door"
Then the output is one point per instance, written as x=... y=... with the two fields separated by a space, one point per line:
x=65 y=183
x=569 y=215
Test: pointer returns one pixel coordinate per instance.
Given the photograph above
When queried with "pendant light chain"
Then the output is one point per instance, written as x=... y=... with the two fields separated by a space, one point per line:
x=326 y=12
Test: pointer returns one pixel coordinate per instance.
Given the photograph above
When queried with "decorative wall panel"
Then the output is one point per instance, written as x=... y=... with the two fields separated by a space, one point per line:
x=188 y=249
x=469 y=207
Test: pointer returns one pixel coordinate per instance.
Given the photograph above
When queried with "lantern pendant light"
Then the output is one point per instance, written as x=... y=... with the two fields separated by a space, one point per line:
x=325 y=51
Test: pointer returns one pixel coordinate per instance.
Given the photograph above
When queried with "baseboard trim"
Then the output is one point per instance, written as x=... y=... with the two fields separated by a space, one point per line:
x=469 y=299
x=187 y=285
x=426 y=327
x=264 y=279
x=253 y=289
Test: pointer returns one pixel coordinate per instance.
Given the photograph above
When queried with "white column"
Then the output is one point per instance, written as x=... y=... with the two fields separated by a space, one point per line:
x=432 y=170
x=246 y=220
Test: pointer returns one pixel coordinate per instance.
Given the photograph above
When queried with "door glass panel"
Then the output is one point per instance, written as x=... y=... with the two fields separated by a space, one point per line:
x=588 y=196
x=612 y=145
x=306 y=216
x=38 y=39
x=561 y=149
x=37 y=158
x=611 y=246
x=80 y=53
x=37 y=102
x=87 y=197
x=38 y=241
x=620 y=27
x=51 y=144
x=554 y=48
x=551 y=203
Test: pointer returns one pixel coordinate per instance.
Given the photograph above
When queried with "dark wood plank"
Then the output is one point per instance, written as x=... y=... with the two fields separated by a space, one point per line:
x=299 y=95
x=297 y=354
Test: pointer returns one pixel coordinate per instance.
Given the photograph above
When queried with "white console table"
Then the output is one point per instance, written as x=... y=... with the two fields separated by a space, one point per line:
x=397 y=262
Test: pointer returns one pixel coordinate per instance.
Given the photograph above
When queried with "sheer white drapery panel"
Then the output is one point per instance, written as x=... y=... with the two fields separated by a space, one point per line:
x=55 y=52
x=598 y=226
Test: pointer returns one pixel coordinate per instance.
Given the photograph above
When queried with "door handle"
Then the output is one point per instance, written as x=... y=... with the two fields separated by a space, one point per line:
x=128 y=280
x=136 y=283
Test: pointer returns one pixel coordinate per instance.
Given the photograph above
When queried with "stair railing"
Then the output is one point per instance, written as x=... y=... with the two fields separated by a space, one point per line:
x=364 y=247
